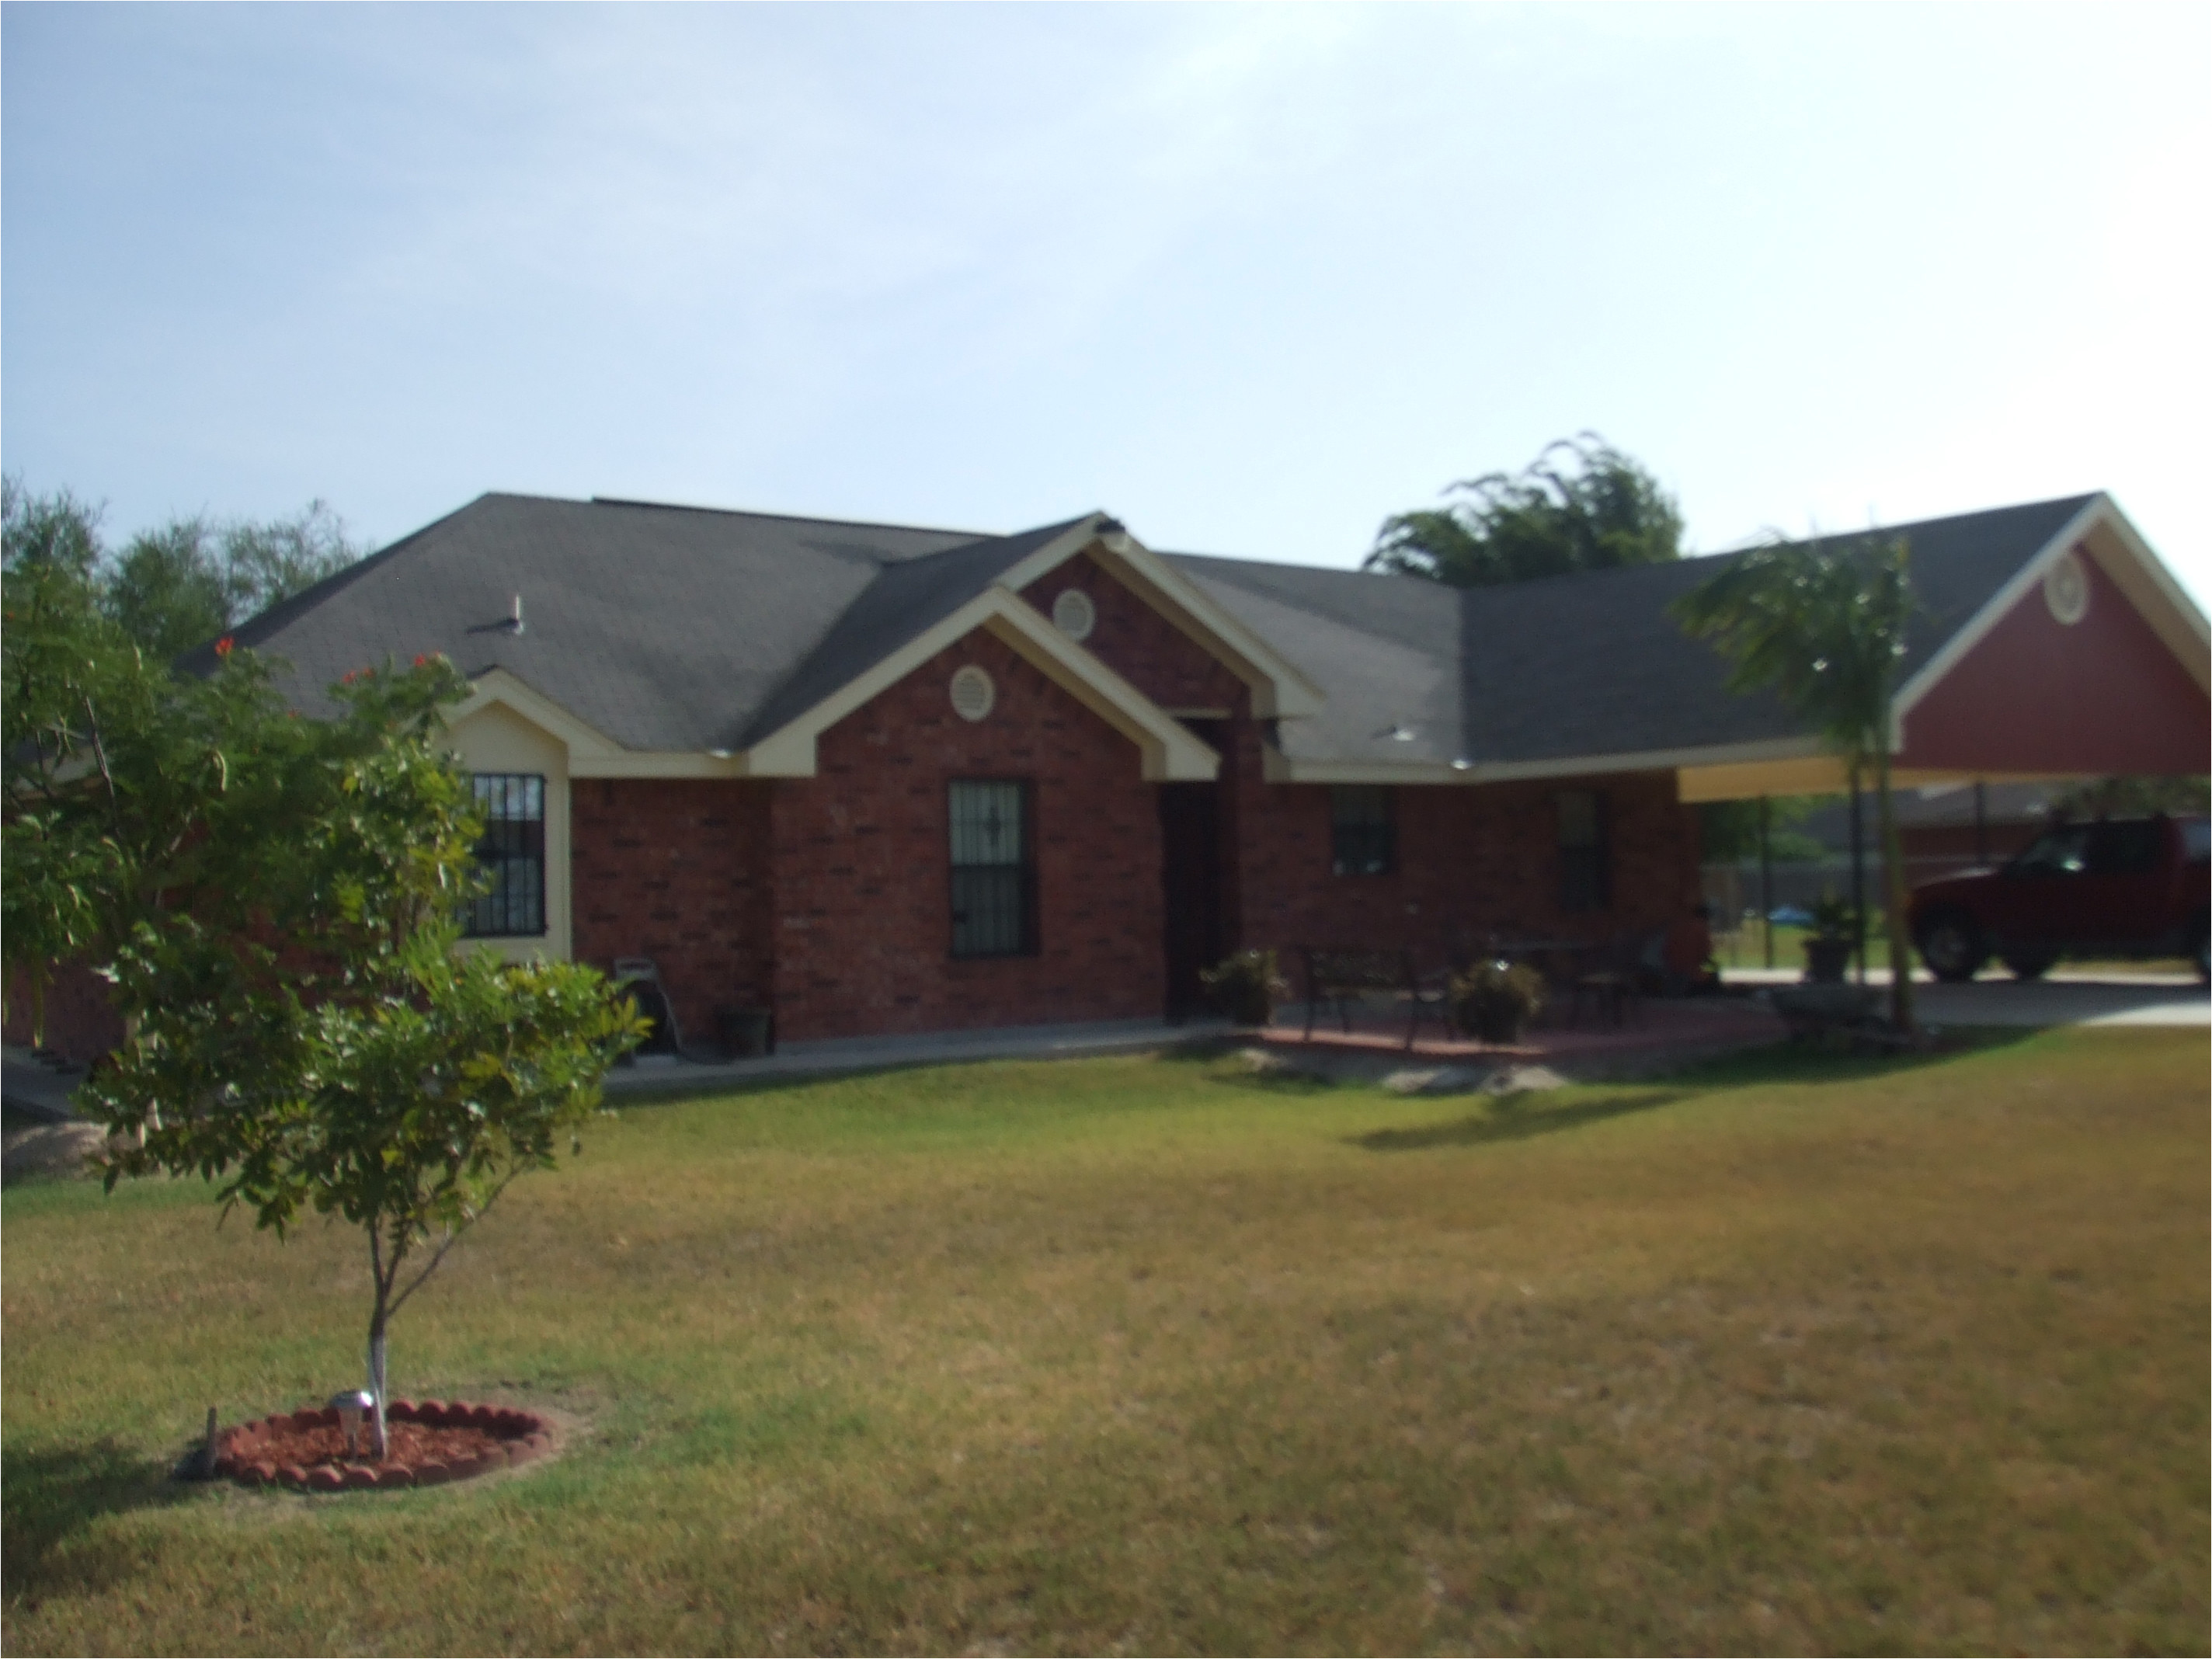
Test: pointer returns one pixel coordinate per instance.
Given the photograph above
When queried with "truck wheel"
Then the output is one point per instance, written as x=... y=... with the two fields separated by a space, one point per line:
x=1952 y=947
x=2029 y=965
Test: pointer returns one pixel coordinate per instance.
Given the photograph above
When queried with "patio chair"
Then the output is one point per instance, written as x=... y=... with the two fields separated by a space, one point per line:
x=1613 y=983
x=1345 y=976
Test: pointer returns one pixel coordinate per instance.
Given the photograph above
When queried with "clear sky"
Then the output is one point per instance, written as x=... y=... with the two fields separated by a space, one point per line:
x=1251 y=277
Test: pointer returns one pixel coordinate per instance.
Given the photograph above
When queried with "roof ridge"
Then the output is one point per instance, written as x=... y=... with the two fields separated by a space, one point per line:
x=755 y=512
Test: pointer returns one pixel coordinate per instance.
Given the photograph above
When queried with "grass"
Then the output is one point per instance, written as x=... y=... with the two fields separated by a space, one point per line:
x=1784 y=1354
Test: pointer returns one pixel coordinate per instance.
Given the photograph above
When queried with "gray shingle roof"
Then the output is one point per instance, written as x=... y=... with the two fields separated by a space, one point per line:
x=664 y=628
x=683 y=629
x=1571 y=666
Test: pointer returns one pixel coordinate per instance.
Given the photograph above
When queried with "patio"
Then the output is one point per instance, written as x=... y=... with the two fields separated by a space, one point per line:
x=1655 y=1032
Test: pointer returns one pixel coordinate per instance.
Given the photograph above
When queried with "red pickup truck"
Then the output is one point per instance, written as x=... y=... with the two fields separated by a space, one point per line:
x=2119 y=887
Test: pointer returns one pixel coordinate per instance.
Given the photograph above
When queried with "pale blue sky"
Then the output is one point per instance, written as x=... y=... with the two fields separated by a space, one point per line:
x=1252 y=277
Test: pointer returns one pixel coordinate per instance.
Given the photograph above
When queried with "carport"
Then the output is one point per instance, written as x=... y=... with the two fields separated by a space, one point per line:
x=2052 y=643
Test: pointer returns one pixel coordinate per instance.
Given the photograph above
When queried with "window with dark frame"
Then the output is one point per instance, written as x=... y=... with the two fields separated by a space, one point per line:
x=511 y=850
x=993 y=884
x=1585 y=852
x=1363 y=829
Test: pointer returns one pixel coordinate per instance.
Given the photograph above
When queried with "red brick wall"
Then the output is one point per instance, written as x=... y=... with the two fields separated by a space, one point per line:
x=677 y=870
x=1470 y=860
x=863 y=910
x=1138 y=643
x=80 y=1021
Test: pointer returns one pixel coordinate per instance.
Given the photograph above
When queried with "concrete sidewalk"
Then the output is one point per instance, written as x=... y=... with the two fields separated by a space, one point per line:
x=657 y=1073
x=36 y=1088
x=31 y=1086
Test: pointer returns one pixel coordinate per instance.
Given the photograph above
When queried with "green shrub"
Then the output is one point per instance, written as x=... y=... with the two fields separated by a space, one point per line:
x=1246 y=985
x=1493 y=1000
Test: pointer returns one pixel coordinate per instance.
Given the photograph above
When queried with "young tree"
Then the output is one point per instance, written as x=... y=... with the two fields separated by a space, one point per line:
x=275 y=902
x=1824 y=627
x=1603 y=511
x=321 y=1042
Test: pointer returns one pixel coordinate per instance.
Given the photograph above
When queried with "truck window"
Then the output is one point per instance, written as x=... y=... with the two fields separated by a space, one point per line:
x=2126 y=850
x=2061 y=853
x=2196 y=839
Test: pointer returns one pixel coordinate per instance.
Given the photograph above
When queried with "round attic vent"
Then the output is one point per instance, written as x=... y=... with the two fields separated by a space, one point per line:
x=973 y=694
x=1073 y=614
x=2066 y=589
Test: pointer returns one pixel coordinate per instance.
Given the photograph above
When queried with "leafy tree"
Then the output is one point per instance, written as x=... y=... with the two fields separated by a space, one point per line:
x=2100 y=797
x=1824 y=627
x=186 y=581
x=312 y=1038
x=276 y=902
x=183 y=583
x=1729 y=829
x=1581 y=505
x=69 y=674
x=166 y=590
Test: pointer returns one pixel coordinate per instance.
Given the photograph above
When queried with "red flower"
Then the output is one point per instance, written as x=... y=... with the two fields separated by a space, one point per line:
x=420 y=660
x=224 y=646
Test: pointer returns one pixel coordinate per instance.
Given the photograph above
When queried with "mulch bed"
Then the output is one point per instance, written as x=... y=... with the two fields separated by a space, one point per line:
x=427 y=1444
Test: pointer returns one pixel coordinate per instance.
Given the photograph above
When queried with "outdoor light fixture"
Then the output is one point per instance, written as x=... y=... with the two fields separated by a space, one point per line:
x=350 y=1404
x=1396 y=732
x=1462 y=764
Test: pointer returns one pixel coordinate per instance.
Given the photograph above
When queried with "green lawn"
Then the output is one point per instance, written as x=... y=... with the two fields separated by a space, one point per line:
x=1150 y=1355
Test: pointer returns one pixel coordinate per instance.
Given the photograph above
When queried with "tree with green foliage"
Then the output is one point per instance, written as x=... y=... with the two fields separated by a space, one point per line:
x=276 y=902
x=2133 y=796
x=1581 y=505
x=1824 y=627
x=1728 y=830
x=181 y=583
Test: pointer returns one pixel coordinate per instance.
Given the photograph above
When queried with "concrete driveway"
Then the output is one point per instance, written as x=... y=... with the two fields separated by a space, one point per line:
x=2062 y=999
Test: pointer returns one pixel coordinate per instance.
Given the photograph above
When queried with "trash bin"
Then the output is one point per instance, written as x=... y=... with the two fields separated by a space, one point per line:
x=744 y=1031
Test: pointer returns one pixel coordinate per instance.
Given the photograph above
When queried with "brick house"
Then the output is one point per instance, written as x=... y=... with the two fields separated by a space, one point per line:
x=882 y=779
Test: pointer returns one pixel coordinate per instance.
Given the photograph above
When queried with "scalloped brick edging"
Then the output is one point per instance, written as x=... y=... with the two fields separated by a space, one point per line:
x=244 y=1454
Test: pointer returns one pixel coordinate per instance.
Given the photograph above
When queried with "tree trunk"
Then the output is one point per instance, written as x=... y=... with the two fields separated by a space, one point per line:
x=1892 y=883
x=376 y=1371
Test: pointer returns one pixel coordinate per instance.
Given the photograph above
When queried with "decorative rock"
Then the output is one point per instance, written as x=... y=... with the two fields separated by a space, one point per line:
x=392 y=1476
x=320 y=1480
x=432 y=1474
x=357 y=1478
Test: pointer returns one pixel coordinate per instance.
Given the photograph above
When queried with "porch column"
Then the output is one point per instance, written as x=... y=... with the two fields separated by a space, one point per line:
x=1859 y=878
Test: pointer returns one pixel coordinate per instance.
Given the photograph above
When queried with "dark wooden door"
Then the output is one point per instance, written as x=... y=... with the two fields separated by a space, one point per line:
x=1190 y=877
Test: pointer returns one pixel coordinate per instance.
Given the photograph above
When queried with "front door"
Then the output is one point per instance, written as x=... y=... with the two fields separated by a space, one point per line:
x=1190 y=877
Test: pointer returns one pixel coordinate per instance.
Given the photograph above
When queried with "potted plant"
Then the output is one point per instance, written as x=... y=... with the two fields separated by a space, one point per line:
x=1493 y=1001
x=1829 y=951
x=1246 y=985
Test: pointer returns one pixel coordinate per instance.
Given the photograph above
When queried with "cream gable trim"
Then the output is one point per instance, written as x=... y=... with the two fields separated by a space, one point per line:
x=1168 y=753
x=1280 y=688
x=592 y=753
x=1278 y=768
